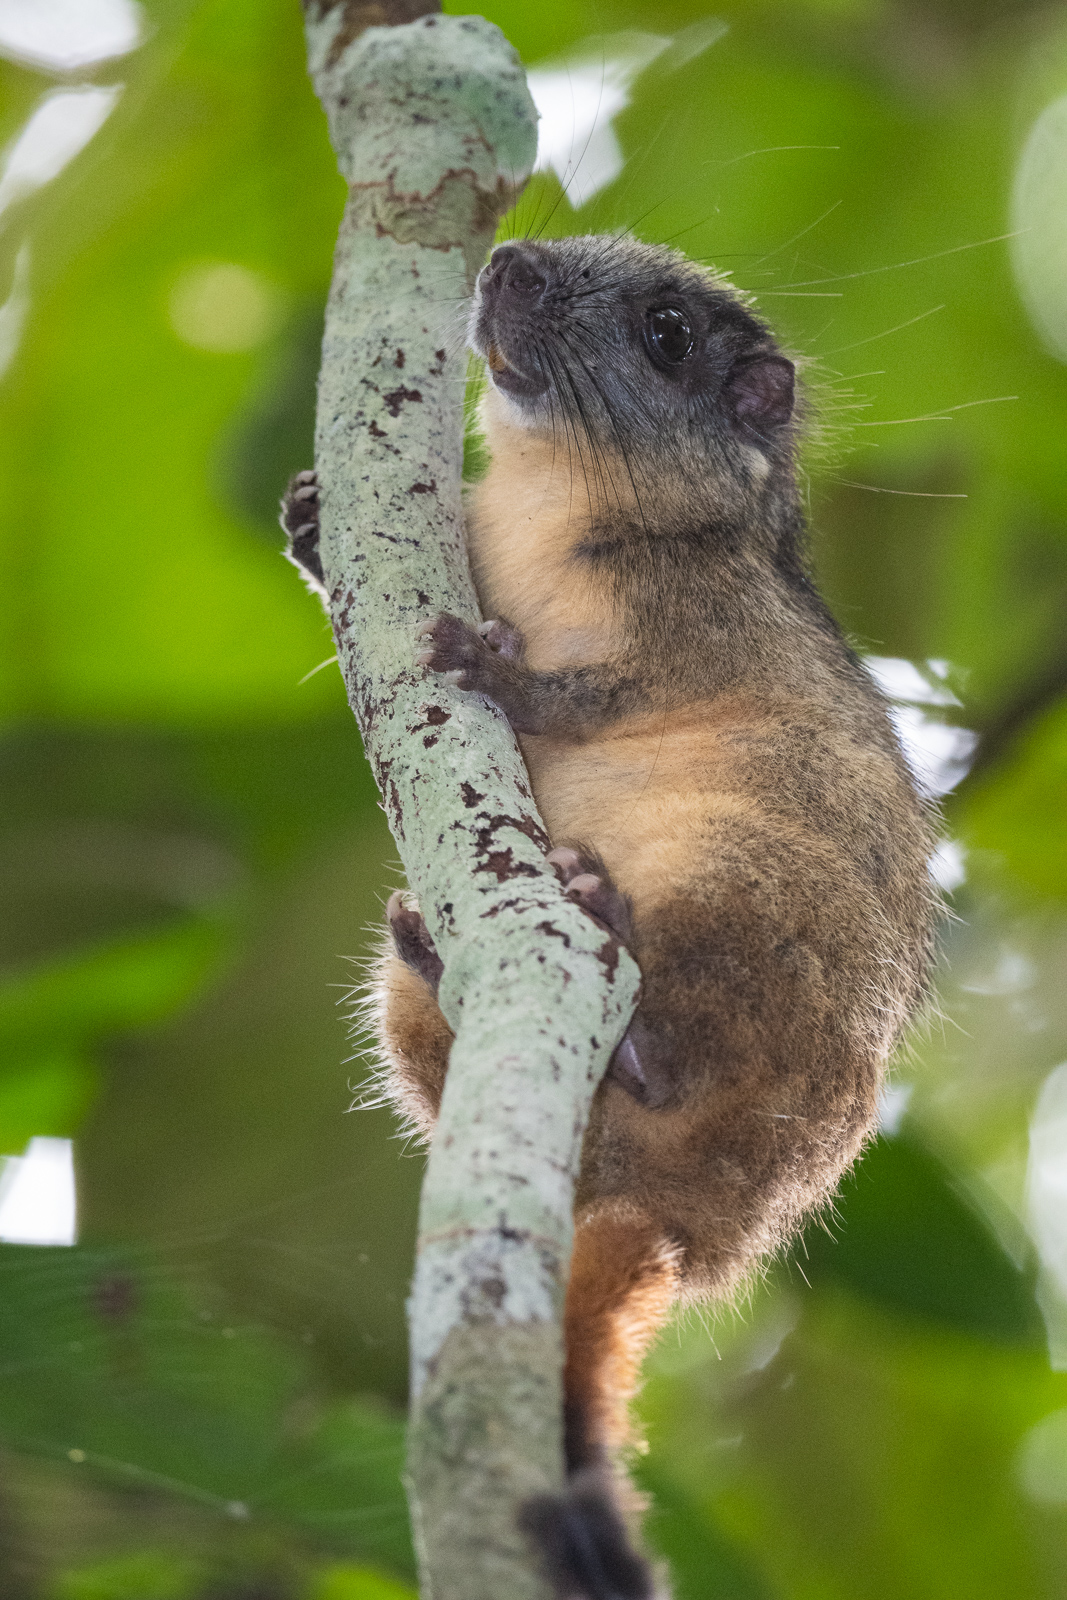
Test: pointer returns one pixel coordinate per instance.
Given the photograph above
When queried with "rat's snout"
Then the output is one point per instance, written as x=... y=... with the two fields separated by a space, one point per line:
x=507 y=314
x=513 y=277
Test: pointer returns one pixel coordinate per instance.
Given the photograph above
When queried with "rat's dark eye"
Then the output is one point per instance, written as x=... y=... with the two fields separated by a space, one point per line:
x=668 y=333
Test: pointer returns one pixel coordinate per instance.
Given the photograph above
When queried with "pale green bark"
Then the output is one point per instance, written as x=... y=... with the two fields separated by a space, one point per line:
x=434 y=129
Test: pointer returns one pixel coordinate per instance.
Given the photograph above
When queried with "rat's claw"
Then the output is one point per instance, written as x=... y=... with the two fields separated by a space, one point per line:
x=593 y=891
x=502 y=639
x=568 y=863
x=584 y=886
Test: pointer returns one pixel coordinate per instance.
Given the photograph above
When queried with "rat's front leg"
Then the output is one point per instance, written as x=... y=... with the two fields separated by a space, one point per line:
x=571 y=702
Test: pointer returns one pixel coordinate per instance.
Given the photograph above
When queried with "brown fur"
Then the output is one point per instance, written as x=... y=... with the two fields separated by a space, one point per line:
x=703 y=730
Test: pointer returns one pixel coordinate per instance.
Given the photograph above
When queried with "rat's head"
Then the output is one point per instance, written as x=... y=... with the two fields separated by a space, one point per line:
x=637 y=352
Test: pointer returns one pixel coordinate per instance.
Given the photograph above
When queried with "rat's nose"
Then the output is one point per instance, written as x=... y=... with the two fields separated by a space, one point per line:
x=512 y=272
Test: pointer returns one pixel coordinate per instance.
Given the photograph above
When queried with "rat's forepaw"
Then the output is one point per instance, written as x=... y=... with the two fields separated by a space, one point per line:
x=300 y=519
x=452 y=646
x=467 y=656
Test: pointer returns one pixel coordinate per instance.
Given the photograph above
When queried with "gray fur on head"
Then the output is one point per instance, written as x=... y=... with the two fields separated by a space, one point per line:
x=635 y=349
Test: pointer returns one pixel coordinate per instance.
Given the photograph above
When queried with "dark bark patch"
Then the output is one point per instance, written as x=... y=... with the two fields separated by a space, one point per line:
x=424 y=488
x=502 y=861
x=345 y=617
x=396 y=397
x=392 y=538
x=471 y=797
x=360 y=14
x=504 y=865
x=495 y=910
x=608 y=956
x=435 y=717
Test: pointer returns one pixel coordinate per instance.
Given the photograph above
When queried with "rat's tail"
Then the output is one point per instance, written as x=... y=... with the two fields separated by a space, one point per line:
x=624 y=1277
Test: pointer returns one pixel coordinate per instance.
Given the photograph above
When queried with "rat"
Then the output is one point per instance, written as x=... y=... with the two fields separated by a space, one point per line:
x=723 y=792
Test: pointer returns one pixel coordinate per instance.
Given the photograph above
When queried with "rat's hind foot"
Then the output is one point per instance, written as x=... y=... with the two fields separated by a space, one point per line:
x=300 y=519
x=583 y=1543
x=642 y=1063
x=586 y=880
x=413 y=942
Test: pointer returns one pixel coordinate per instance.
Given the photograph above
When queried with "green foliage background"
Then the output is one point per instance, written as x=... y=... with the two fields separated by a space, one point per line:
x=204 y=1397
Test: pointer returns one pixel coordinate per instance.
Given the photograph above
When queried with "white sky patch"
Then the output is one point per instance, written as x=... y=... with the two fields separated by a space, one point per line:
x=938 y=754
x=892 y=1107
x=37 y=1203
x=578 y=96
x=59 y=128
x=223 y=307
x=948 y=865
x=899 y=679
x=65 y=35
x=1046 y=1205
x=14 y=310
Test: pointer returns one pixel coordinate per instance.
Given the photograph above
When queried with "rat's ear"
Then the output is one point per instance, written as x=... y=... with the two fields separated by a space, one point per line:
x=759 y=392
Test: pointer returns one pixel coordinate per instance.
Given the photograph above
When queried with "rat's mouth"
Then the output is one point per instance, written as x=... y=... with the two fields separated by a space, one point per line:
x=509 y=378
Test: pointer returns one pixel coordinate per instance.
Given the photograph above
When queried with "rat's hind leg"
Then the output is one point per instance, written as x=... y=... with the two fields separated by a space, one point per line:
x=413 y=1036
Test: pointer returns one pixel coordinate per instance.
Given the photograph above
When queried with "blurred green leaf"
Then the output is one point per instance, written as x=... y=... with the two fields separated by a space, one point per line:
x=357 y=1583
x=901 y=1235
x=861 y=1454
x=44 y=1093
x=132 y=1371
x=139 y=1577
x=682 y=1528
x=1019 y=811
x=126 y=983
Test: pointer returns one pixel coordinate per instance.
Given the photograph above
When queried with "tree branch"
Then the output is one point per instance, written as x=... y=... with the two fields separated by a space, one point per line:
x=434 y=130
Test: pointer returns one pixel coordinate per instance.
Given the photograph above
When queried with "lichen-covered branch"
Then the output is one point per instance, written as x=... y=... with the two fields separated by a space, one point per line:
x=435 y=131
